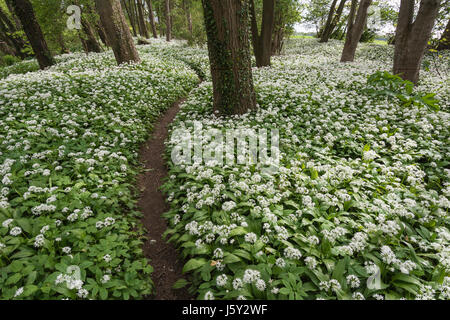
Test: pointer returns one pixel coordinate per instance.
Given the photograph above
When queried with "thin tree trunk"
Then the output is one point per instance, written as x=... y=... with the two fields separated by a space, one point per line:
x=226 y=23
x=325 y=30
x=168 y=21
x=262 y=42
x=355 y=29
x=62 y=44
x=152 y=18
x=143 y=27
x=187 y=9
x=24 y=11
x=117 y=31
x=444 y=42
x=411 y=38
x=130 y=17
x=328 y=31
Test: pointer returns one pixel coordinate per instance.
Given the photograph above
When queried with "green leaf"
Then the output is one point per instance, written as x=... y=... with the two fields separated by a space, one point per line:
x=181 y=283
x=194 y=264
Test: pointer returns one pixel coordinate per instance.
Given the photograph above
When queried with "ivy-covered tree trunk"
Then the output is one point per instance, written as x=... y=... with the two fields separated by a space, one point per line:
x=444 y=42
x=355 y=29
x=152 y=18
x=24 y=11
x=262 y=42
x=226 y=23
x=329 y=28
x=128 y=9
x=117 y=30
x=142 y=25
x=168 y=20
x=411 y=37
x=12 y=44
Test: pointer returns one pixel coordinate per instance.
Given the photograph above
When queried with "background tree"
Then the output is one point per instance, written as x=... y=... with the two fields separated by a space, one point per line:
x=355 y=29
x=262 y=41
x=412 y=37
x=24 y=11
x=152 y=18
x=117 y=30
x=287 y=13
x=444 y=42
x=167 y=12
x=333 y=20
x=226 y=23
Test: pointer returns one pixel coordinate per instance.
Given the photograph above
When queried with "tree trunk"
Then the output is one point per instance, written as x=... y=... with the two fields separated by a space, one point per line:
x=62 y=44
x=328 y=31
x=412 y=37
x=187 y=9
x=92 y=44
x=101 y=34
x=262 y=42
x=444 y=42
x=168 y=21
x=152 y=19
x=117 y=31
x=355 y=29
x=7 y=28
x=7 y=49
x=324 y=37
x=24 y=11
x=130 y=16
x=226 y=23
x=143 y=26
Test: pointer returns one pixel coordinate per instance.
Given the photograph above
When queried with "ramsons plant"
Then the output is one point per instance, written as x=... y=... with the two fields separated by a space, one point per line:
x=359 y=206
x=69 y=138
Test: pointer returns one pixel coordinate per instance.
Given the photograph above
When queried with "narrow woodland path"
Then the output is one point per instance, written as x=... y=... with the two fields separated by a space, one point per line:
x=162 y=255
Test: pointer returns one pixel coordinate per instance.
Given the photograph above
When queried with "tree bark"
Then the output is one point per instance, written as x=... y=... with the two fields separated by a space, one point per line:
x=117 y=31
x=328 y=23
x=262 y=42
x=444 y=42
x=411 y=38
x=143 y=26
x=187 y=9
x=7 y=28
x=152 y=18
x=24 y=11
x=329 y=28
x=355 y=29
x=130 y=16
x=226 y=23
x=92 y=44
x=168 y=21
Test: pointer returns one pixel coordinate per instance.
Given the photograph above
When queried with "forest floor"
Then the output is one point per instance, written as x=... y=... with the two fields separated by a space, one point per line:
x=162 y=255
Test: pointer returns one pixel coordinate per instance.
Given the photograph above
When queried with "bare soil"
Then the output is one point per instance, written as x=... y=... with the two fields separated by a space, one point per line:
x=162 y=255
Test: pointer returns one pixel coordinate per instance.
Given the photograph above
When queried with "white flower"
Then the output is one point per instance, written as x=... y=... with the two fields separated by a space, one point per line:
x=18 y=292
x=7 y=222
x=353 y=281
x=251 y=237
x=209 y=295
x=221 y=280
x=107 y=258
x=15 y=231
x=292 y=253
x=66 y=250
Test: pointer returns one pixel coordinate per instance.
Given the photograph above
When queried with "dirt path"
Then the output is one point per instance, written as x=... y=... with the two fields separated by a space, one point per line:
x=163 y=256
